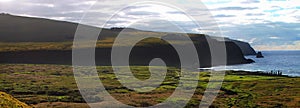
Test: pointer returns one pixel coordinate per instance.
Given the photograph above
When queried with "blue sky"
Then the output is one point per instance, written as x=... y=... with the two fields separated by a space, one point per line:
x=265 y=24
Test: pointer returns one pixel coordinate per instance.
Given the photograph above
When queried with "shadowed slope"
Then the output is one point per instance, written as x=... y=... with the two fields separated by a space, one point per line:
x=43 y=41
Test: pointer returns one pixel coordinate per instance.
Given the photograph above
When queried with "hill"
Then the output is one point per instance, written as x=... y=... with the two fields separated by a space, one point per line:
x=24 y=29
x=28 y=29
x=7 y=101
x=44 y=41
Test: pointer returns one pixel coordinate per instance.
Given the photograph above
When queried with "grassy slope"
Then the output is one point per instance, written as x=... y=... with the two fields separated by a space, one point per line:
x=24 y=46
x=57 y=35
x=7 y=101
x=105 y=43
x=54 y=85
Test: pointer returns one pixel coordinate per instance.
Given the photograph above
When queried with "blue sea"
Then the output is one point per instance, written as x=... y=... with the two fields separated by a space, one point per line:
x=286 y=61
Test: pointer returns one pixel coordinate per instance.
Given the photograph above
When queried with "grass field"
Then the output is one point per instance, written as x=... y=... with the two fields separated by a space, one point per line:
x=54 y=86
x=7 y=101
x=106 y=43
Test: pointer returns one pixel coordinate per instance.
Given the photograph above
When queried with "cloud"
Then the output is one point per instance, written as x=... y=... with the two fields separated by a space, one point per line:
x=237 y=8
x=89 y=3
x=294 y=46
x=175 y=12
x=254 y=14
x=142 y=13
x=252 y=40
x=269 y=33
x=256 y=11
x=62 y=9
x=250 y=1
x=274 y=37
x=222 y=15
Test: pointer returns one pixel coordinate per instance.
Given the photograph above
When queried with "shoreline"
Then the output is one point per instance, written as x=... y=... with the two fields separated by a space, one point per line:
x=248 y=72
x=208 y=69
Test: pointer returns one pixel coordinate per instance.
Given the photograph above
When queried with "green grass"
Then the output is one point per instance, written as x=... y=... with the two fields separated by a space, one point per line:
x=28 y=46
x=7 y=101
x=103 y=43
x=40 y=84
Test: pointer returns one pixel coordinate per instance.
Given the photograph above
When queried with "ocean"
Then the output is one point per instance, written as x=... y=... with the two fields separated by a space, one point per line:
x=288 y=62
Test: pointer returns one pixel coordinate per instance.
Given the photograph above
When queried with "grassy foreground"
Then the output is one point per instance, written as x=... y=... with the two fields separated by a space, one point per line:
x=7 y=101
x=54 y=86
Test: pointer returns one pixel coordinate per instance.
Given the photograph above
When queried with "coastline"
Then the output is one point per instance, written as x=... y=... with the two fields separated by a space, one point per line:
x=286 y=62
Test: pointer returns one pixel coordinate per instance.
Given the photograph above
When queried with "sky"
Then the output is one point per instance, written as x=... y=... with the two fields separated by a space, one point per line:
x=265 y=24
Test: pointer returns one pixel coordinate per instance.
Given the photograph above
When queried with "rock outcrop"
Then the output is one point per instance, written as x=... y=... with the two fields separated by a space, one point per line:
x=259 y=55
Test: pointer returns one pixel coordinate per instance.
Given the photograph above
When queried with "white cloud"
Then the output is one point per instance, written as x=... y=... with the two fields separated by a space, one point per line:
x=234 y=12
x=294 y=46
x=84 y=3
x=255 y=11
x=274 y=37
x=41 y=4
x=252 y=40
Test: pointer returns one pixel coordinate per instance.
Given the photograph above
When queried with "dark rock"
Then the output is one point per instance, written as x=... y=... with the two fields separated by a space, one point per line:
x=259 y=55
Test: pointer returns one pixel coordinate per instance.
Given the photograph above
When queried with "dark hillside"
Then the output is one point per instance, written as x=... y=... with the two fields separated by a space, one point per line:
x=140 y=55
x=16 y=29
x=25 y=29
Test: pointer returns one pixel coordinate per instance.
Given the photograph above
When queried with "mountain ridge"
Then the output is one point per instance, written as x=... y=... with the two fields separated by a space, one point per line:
x=25 y=29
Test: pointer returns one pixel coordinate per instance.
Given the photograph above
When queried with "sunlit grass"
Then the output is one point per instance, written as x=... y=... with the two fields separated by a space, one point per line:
x=103 y=43
x=36 y=84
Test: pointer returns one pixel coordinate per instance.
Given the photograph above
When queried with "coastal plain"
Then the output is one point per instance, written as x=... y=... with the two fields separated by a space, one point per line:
x=54 y=86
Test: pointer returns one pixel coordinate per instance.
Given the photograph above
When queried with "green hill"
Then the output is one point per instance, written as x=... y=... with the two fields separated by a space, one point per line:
x=43 y=41
x=28 y=29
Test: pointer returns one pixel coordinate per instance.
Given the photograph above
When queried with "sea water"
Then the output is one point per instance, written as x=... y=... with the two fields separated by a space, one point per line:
x=288 y=62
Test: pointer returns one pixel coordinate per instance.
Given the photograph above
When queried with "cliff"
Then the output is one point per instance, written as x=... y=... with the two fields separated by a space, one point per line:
x=24 y=29
x=244 y=46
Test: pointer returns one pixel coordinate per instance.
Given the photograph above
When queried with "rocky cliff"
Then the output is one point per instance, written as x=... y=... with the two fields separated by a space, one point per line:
x=244 y=46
